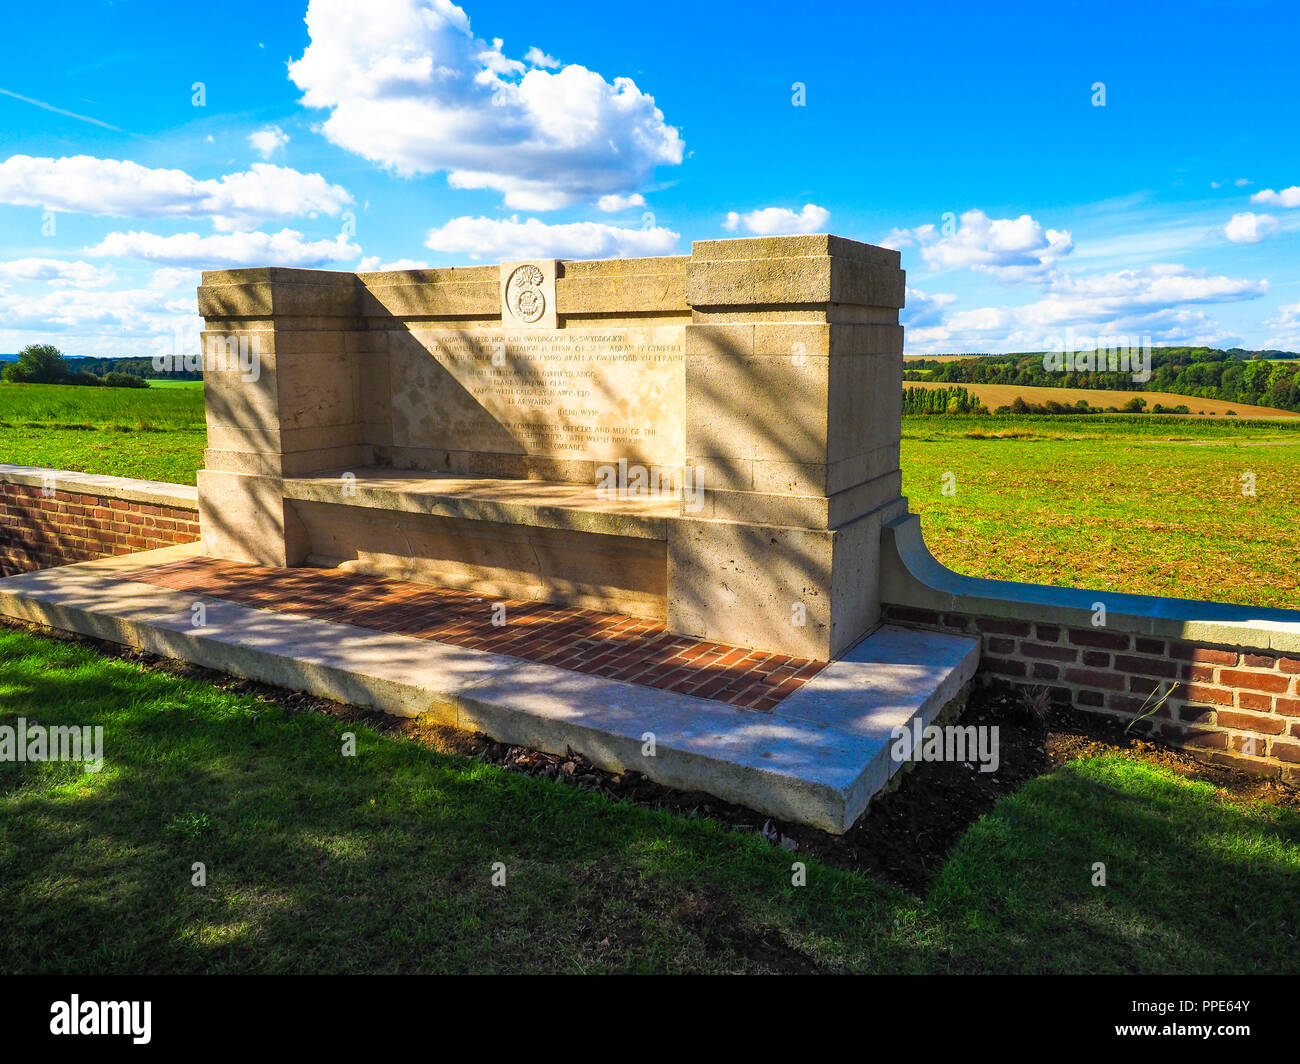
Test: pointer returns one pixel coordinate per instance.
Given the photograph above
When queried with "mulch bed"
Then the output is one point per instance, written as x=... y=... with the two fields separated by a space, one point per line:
x=908 y=830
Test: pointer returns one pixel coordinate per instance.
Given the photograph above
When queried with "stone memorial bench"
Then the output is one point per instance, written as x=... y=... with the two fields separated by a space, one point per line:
x=457 y=427
x=467 y=531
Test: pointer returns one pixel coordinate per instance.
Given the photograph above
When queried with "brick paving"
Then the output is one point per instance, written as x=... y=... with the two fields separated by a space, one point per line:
x=617 y=647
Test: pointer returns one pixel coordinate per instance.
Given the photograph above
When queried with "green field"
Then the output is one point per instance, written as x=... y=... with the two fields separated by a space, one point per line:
x=176 y=384
x=154 y=433
x=175 y=405
x=1144 y=503
x=383 y=862
x=1139 y=504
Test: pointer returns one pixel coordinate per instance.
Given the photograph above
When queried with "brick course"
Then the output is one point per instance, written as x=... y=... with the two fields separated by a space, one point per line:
x=1231 y=705
x=617 y=647
x=38 y=530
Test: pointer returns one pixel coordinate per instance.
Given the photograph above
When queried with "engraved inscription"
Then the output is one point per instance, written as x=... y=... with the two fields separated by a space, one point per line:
x=599 y=394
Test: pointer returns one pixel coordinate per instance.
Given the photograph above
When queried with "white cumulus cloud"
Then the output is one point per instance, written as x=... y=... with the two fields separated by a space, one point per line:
x=536 y=57
x=779 y=221
x=175 y=279
x=1286 y=328
x=1250 y=228
x=923 y=310
x=373 y=264
x=285 y=248
x=612 y=202
x=1153 y=301
x=124 y=189
x=267 y=141
x=1288 y=197
x=1011 y=249
x=92 y=322
x=506 y=239
x=408 y=85
x=57 y=273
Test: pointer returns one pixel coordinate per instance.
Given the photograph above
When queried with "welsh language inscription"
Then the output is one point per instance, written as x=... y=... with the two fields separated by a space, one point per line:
x=576 y=393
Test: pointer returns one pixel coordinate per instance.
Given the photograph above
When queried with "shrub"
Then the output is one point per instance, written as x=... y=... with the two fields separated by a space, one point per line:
x=124 y=380
x=37 y=364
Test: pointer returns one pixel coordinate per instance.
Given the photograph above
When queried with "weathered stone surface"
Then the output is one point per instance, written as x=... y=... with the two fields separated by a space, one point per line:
x=245 y=518
x=571 y=394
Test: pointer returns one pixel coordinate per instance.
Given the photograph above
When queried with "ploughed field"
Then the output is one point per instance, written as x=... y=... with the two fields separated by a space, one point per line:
x=996 y=395
x=1145 y=503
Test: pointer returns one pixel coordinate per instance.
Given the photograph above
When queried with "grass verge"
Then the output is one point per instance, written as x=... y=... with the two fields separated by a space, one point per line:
x=382 y=862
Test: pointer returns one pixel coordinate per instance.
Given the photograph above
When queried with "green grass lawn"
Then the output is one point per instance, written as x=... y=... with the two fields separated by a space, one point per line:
x=383 y=861
x=1145 y=505
x=174 y=456
x=179 y=406
x=154 y=433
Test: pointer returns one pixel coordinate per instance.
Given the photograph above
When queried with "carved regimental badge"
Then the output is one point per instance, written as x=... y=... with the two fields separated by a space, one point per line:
x=528 y=294
x=524 y=294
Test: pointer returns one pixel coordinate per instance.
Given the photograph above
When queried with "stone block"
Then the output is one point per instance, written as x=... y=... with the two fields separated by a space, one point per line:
x=245 y=518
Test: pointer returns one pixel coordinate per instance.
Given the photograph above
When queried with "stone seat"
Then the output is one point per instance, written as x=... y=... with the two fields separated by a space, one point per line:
x=534 y=503
x=511 y=538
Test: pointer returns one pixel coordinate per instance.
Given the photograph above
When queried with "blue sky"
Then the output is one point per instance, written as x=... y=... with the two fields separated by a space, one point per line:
x=346 y=135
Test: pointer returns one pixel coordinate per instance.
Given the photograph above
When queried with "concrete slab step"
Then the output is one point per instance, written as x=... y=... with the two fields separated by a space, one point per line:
x=817 y=758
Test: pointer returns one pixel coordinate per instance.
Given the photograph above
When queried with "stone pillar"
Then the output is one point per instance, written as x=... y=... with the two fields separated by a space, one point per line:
x=793 y=407
x=282 y=392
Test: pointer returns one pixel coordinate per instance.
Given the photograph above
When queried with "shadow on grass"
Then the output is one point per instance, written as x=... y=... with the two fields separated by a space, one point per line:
x=1192 y=882
x=383 y=862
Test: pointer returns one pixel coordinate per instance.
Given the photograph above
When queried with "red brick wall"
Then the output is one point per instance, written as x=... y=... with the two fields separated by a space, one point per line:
x=1230 y=705
x=37 y=531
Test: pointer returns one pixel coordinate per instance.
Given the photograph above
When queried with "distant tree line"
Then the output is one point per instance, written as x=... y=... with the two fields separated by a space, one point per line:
x=46 y=364
x=941 y=401
x=141 y=367
x=1203 y=372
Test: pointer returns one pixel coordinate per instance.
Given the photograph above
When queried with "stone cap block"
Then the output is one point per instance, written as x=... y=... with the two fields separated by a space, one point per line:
x=785 y=271
x=153 y=492
x=628 y=286
x=279 y=274
x=274 y=292
x=812 y=244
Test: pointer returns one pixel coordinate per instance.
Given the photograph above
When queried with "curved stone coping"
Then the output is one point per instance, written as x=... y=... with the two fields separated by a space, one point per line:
x=536 y=503
x=912 y=576
x=153 y=492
